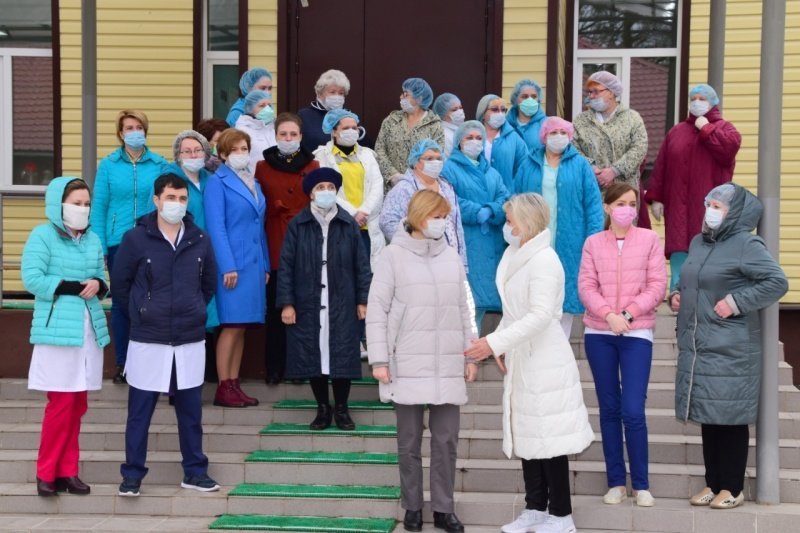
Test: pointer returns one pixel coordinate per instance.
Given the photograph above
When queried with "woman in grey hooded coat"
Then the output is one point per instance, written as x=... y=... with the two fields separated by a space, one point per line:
x=728 y=277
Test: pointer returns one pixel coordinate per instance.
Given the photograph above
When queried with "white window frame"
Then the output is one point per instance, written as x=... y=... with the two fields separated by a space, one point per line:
x=621 y=56
x=7 y=117
x=210 y=59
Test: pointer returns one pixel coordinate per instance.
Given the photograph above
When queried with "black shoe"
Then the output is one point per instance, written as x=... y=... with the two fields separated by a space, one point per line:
x=413 y=521
x=342 y=418
x=323 y=419
x=46 y=488
x=273 y=380
x=297 y=381
x=447 y=521
x=129 y=487
x=119 y=378
x=73 y=485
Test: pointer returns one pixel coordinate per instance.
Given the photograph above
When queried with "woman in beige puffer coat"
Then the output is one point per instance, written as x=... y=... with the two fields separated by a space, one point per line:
x=419 y=323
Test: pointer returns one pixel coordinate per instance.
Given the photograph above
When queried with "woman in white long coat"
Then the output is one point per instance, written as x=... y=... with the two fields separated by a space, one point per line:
x=544 y=418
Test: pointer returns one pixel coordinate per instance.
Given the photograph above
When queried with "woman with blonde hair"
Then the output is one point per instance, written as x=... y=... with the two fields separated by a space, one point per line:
x=542 y=387
x=418 y=325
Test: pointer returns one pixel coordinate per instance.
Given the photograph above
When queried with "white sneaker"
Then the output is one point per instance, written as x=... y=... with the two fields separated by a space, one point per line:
x=644 y=498
x=615 y=495
x=525 y=521
x=557 y=524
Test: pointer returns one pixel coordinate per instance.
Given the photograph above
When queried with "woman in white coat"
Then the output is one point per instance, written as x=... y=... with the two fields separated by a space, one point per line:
x=544 y=418
x=361 y=193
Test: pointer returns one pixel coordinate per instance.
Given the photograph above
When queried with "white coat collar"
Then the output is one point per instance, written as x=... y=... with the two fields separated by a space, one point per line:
x=519 y=257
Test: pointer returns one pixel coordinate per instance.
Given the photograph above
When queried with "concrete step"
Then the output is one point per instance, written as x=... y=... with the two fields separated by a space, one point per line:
x=119 y=523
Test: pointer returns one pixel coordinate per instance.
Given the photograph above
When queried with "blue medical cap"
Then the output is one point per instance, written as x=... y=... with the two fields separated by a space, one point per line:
x=443 y=103
x=253 y=98
x=465 y=128
x=333 y=117
x=420 y=90
x=250 y=78
x=707 y=91
x=422 y=146
x=521 y=84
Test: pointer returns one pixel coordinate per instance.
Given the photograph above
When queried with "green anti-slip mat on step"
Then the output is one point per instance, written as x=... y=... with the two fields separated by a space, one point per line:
x=322 y=524
x=286 y=490
x=360 y=382
x=355 y=458
x=365 y=405
x=361 y=430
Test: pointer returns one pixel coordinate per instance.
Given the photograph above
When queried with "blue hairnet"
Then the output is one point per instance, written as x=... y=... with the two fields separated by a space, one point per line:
x=443 y=103
x=465 y=128
x=420 y=90
x=250 y=78
x=422 y=146
x=253 y=98
x=521 y=84
x=333 y=117
x=483 y=105
x=707 y=91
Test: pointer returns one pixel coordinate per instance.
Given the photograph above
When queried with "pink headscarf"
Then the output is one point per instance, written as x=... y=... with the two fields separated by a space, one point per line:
x=555 y=123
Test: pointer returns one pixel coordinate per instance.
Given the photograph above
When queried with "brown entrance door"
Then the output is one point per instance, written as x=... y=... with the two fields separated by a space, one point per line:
x=453 y=44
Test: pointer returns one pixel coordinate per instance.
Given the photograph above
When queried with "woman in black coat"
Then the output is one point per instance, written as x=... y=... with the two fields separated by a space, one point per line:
x=323 y=284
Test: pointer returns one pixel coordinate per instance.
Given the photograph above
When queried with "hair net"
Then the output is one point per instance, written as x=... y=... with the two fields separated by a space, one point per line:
x=190 y=134
x=420 y=90
x=443 y=103
x=607 y=80
x=520 y=86
x=555 y=123
x=465 y=128
x=253 y=98
x=707 y=91
x=333 y=117
x=722 y=193
x=332 y=77
x=483 y=104
x=422 y=146
x=250 y=78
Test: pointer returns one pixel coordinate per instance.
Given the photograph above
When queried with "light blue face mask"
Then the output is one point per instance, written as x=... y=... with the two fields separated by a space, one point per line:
x=325 y=199
x=529 y=107
x=266 y=115
x=134 y=139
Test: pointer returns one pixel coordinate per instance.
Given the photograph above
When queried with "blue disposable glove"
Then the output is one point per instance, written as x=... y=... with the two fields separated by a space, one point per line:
x=484 y=213
x=485 y=228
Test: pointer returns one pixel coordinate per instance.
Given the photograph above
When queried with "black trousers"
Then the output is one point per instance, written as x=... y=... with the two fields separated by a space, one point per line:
x=275 y=345
x=725 y=456
x=341 y=390
x=547 y=482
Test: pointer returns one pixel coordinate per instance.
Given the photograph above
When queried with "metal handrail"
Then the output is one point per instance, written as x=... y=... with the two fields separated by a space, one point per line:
x=3 y=264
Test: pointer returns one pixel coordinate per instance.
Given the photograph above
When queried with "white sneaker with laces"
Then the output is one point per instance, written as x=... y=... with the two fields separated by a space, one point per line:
x=525 y=521
x=557 y=524
x=644 y=498
x=615 y=495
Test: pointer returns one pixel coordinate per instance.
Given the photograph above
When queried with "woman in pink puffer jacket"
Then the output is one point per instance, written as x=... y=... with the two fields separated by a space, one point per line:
x=622 y=280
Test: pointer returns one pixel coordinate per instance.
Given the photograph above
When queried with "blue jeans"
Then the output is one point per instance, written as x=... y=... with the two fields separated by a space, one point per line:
x=621 y=370
x=676 y=261
x=120 y=324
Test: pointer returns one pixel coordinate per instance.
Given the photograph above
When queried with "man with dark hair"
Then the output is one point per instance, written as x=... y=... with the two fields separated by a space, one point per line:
x=163 y=278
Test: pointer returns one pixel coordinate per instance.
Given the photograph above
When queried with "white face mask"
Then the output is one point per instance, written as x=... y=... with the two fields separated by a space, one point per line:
x=510 y=238
x=348 y=137
x=288 y=147
x=75 y=216
x=406 y=105
x=699 y=108
x=435 y=229
x=334 y=101
x=557 y=143
x=472 y=148
x=193 y=165
x=496 y=120
x=432 y=168
x=172 y=212
x=325 y=199
x=457 y=117
x=713 y=217
x=238 y=161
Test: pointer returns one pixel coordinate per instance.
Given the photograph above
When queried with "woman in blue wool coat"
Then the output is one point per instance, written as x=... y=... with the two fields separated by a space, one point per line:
x=504 y=148
x=565 y=179
x=62 y=266
x=481 y=195
x=527 y=112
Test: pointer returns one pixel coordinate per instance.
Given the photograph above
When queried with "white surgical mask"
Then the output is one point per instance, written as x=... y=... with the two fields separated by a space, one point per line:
x=699 y=108
x=557 y=143
x=348 y=137
x=435 y=229
x=406 y=105
x=334 y=101
x=457 y=117
x=288 y=147
x=75 y=216
x=511 y=239
x=713 y=217
x=172 y=212
x=598 y=104
x=325 y=199
x=496 y=120
x=472 y=148
x=432 y=168
x=238 y=161
x=193 y=165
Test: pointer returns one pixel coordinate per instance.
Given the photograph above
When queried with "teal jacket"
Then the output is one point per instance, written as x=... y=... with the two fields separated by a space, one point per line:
x=123 y=192
x=509 y=153
x=529 y=131
x=51 y=256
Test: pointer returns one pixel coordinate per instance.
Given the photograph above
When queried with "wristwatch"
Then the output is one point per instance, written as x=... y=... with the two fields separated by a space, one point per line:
x=627 y=316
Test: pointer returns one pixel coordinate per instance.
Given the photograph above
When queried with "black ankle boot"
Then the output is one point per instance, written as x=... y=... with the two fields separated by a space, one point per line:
x=447 y=521
x=413 y=521
x=342 y=417
x=323 y=419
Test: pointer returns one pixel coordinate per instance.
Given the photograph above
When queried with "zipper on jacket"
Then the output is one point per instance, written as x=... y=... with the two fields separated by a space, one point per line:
x=135 y=192
x=691 y=372
x=619 y=274
x=149 y=276
x=436 y=341
x=113 y=223
x=50 y=315
x=200 y=265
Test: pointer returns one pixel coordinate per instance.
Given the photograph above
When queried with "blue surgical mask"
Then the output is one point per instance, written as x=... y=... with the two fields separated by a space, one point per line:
x=598 y=104
x=529 y=107
x=406 y=105
x=266 y=115
x=325 y=199
x=699 y=108
x=713 y=217
x=134 y=139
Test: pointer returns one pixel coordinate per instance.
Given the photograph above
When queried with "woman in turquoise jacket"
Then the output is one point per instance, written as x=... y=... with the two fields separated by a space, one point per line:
x=62 y=266
x=527 y=112
x=123 y=191
x=481 y=195
x=503 y=147
x=565 y=179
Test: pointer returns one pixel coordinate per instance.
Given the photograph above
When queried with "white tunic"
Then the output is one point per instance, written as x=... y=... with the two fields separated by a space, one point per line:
x=68 y=368
x=149 y=365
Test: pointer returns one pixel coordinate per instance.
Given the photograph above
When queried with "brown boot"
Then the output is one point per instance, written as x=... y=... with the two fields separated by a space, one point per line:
x=227 y=396
x=248 y=400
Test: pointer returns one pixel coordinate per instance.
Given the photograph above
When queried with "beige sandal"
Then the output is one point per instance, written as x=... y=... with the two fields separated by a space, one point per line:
x=725 y=500
x=704 y=497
